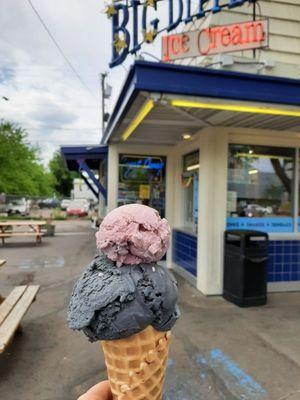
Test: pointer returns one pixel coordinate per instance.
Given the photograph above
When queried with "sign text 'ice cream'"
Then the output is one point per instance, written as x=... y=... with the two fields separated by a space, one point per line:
x=216 y=40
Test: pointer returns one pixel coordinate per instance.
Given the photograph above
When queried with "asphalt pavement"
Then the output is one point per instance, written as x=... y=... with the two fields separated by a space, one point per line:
x=218 y=350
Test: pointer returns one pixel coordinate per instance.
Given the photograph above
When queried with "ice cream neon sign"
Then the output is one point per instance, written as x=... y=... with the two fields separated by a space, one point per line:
x=127 y=34
x=216 y=40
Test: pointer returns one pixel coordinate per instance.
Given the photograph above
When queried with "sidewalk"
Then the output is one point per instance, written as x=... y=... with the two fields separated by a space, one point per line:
x=249 y=353
x=219 y=351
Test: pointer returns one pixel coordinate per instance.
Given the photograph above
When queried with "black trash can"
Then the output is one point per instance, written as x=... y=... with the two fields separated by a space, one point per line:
x=245 y=267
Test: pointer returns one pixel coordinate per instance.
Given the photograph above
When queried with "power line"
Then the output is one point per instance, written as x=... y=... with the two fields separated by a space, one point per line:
x=59 y=48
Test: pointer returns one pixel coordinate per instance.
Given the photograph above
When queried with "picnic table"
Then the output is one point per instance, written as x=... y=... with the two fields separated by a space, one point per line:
x=12 y=310
x=2 y=262
x=10 y=229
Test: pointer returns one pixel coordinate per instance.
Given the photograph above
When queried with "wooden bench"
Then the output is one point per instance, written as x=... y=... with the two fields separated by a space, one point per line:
x=15 y=228
x=12 y=310
x=2 y=262
x=38 y=236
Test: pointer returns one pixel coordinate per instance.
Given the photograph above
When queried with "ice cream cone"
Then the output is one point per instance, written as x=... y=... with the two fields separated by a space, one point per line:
x=136 y=365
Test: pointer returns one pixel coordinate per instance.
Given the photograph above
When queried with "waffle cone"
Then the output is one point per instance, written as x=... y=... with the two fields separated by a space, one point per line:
x=136 y=365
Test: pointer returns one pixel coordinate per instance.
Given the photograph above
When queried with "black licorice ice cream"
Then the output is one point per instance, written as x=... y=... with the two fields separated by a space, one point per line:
x=124 y=290
x=110 y=302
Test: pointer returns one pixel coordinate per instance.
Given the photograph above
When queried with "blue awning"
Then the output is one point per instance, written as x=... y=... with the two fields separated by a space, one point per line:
x=85 y=159
x=161 y=78
x=92 y=154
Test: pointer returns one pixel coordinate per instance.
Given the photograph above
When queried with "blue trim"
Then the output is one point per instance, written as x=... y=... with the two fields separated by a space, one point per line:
x=91 y=187
x=194 y=81
x=93 y=155
x=83 y=167
x=71 y=152
x=86 y=158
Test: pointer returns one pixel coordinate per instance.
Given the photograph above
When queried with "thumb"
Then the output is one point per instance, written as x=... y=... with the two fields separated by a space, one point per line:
x=101 y=391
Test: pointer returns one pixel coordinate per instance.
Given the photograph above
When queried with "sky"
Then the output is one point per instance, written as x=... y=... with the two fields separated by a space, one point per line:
x=45 y=96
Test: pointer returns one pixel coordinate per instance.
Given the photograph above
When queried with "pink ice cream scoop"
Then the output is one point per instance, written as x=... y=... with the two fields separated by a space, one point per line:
x=133 y=234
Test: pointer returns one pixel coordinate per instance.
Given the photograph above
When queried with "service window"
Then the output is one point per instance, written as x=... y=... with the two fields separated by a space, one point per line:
x=261 y=188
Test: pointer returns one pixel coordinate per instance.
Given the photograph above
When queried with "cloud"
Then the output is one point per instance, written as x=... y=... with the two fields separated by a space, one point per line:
x=52 y=113
x=46 y=98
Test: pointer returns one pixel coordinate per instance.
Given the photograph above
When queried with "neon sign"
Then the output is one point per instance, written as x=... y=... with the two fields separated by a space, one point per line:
x=132 y=25
x=140 y=168
x=216 y=40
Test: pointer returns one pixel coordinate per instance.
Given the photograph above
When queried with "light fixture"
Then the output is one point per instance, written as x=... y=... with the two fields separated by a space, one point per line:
x=235 y=107
x=251 y=151
x=142 y=114
x=186 y=136
x=192 y=167
x=252 y=171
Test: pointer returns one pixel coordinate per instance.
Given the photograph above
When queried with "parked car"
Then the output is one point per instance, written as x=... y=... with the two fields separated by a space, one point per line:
x=256 y=210
x=49 y=203
x=64 y=204
x=20 y=206
x=79 y=208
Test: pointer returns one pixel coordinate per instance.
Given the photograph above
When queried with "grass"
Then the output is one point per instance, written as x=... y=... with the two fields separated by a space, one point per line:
x=15 y=217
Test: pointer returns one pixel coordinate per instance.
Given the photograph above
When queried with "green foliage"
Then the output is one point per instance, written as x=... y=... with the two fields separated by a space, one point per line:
x=20 y=170
x=63 y=178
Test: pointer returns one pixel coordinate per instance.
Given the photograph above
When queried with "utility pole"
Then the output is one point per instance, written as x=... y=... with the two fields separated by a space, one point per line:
x=103 y=77
x=254 y=19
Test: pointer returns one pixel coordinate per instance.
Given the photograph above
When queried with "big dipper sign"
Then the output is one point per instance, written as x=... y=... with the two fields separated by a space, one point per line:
x=126 y=35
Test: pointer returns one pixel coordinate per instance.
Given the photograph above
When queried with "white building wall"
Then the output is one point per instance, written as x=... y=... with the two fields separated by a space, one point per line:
x=81 y=190
x=113 y=175
x=212 y=209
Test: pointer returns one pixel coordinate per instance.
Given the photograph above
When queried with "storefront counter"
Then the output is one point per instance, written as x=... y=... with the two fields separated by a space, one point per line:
x=184 y=250
x=284 y=255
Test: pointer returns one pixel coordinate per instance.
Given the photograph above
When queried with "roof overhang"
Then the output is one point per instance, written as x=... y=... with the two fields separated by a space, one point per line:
x=159 y=102
x=85 y=159
x=93 y=155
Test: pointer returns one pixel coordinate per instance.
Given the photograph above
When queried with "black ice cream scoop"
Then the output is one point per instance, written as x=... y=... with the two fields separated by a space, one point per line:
x=110 y=302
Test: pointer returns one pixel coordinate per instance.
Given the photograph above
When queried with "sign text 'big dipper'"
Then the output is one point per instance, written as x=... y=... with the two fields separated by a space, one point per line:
x=127 y=34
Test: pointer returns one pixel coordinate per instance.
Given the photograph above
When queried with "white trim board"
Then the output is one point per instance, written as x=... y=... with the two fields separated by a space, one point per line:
x=185 y=274
x=283 y=286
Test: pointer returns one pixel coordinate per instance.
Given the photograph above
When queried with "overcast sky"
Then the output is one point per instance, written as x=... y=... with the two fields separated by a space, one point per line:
x=45 y=96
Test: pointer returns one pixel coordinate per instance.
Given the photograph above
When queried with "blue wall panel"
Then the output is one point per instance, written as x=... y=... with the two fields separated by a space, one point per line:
x=284 y=261
x=185 y=251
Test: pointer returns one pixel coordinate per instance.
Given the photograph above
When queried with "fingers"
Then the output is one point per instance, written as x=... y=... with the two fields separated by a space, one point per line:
x=101 y=391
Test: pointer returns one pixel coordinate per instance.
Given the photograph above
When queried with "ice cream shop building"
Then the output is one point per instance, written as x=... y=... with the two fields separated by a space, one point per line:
x=209 y=136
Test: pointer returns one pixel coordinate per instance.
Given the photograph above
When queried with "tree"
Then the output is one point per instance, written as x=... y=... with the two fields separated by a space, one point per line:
x=63 y=178
x=20 y=170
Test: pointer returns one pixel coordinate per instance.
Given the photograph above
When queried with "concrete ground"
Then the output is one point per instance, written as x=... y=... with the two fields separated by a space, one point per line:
x=218 y=351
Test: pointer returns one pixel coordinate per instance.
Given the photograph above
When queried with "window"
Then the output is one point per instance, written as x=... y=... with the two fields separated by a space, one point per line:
x=190 y=182
x=261 y=188
x=142 y=180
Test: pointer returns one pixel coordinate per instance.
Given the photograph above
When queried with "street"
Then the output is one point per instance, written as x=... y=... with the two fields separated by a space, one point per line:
x=218 y=351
